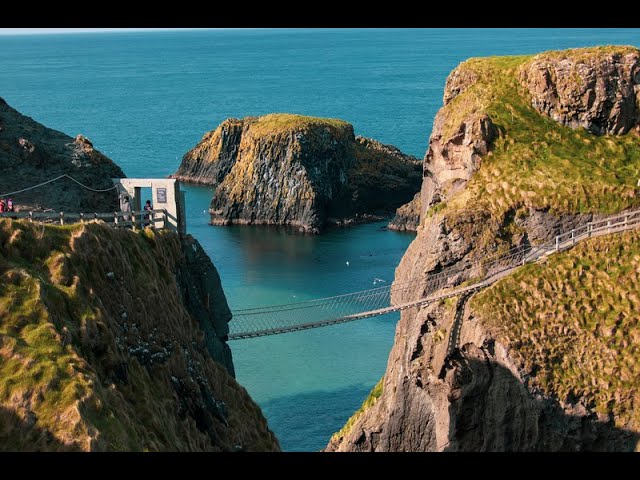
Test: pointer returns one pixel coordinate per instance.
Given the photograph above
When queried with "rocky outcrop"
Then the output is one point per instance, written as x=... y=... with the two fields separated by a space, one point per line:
x=116 y=340
x=407 y=217
x=214 y=156
x=598 y=91
x=31 y=153
x=298 y=171
x=455 y=151
x=451 y=383
x=452 y=159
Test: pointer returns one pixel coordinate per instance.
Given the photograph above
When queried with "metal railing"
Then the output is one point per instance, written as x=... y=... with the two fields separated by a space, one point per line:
x=158 y=219
x=611 y=224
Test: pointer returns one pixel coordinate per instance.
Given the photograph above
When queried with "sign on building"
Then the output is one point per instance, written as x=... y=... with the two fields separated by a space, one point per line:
x=161 y=195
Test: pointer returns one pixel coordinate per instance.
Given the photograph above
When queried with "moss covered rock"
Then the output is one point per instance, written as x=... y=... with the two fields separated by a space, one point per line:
x=304 y=172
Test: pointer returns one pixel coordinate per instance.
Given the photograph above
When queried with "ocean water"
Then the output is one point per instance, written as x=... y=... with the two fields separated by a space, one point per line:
x=144 y=99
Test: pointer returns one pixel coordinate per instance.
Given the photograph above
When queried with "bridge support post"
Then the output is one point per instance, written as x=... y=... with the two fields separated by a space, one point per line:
x=573 y=237
x=82 y=218
x=557 y=242
x=61 y=218
x=31 y=217
x=115 y=218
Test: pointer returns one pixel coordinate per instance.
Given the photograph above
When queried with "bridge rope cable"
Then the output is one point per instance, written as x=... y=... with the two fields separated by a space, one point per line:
x=275 y=319
x=396 y=287
x=33 y=187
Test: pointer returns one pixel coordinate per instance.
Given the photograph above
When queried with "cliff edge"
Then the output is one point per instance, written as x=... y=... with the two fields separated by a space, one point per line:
x=523 y=148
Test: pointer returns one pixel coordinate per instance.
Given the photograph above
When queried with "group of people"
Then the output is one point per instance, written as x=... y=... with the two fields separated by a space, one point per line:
x=126 y=210
x=6 y=205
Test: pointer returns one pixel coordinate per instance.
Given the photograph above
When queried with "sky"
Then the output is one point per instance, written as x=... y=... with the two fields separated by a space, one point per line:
x=40 y=31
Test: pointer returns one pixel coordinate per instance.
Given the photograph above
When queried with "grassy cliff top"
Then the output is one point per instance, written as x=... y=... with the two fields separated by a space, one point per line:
x=278 y=122
x=588 y=53
x=98 y=351
x=574 y=323
x=535 y=161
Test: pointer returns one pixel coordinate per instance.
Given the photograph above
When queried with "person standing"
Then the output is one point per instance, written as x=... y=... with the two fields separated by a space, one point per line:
x=147 y=216
x=126 y=209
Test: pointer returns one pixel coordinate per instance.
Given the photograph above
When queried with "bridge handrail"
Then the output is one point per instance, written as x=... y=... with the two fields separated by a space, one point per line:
x=523 y=254
x=115 y=218
x=616 y=221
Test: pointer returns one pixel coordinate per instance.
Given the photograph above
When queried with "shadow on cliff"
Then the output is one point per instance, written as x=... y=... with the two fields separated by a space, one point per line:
x=23 y=435
x=491 y=410
x=302 y=422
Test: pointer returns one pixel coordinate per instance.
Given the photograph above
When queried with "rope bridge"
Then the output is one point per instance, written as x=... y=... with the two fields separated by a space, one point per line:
x=450 y=282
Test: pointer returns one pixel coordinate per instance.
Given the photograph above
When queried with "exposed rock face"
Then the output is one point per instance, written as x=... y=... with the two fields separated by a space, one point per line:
x=600 y=93
x=204 y=298
x=212 y=159
x=450 y=384
x=303 y=172
x=31 y=153
x=471 y=399
x=407 y=217
x=109 y=341
x=452 y=160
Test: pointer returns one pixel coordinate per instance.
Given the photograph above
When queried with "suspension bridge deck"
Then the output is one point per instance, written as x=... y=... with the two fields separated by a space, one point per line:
x=323 y=312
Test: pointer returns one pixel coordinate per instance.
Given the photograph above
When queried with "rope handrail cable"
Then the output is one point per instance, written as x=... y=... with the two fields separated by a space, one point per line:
x=33 y=187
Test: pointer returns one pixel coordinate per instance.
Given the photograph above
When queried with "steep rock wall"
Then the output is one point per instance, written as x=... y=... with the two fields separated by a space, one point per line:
x=600 y=92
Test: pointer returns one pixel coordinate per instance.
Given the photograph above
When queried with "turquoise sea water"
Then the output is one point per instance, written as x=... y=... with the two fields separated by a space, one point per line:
x=144 y=99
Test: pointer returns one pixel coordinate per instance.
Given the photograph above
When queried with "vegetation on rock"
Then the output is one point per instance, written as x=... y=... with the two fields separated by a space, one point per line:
x=98 y=351
x=299 y=171
x=573 y=324
x=369 y=402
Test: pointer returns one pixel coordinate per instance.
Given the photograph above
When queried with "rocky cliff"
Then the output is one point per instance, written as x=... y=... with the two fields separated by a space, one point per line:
x=407 y=217
x=303 y=172
x=214 y=156
x=115 y=340
x=31 y=153
x=522 y=365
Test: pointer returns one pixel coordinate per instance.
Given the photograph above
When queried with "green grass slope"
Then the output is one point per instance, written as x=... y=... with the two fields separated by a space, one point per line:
x=573 y=324
x=97 y=350
x=536 y=162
